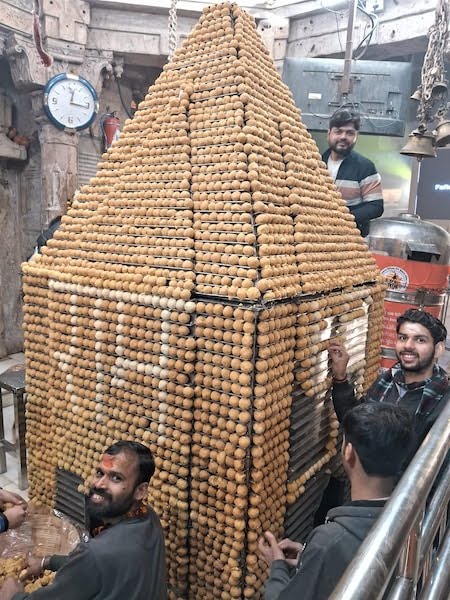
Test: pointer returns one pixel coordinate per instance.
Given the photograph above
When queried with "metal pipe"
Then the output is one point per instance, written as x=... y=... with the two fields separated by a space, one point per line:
x=435 y=511
x=345 y=84
x=367 y=576
x=403 y=589
x=409 y=562
x=414 y=183
x=405 y=585
x=438 y=584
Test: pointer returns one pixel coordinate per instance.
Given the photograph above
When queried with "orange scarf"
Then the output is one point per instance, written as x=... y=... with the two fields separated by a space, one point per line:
x=139 y=513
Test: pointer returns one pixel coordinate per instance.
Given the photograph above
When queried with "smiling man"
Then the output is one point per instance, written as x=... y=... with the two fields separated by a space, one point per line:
x=354 y=175
x=416 y=382
x=125 y=557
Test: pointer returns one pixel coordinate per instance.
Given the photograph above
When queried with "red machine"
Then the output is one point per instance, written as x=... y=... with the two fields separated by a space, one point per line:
x=413 y=255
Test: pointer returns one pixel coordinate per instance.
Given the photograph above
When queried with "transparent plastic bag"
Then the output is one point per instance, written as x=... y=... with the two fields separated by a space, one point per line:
x=44 y=532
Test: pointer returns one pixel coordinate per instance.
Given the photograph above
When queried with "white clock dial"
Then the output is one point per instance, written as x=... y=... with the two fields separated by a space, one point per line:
x=70 y=102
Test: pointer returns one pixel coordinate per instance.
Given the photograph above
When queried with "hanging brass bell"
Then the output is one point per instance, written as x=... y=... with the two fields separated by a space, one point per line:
x=417 y=95
x=442 y=133
x=439 y=87
x=419 y=145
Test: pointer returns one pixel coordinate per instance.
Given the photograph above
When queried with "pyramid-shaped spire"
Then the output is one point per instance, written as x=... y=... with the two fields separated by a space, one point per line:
x=215 y=187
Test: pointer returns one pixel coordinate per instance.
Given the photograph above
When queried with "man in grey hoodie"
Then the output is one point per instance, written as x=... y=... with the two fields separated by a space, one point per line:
x=376 y=442
x=125 y=558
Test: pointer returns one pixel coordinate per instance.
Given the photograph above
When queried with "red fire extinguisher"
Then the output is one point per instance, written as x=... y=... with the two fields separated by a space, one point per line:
x=109 y=126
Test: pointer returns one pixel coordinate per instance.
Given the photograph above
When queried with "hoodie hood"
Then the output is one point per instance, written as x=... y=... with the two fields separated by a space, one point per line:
x=357 y=517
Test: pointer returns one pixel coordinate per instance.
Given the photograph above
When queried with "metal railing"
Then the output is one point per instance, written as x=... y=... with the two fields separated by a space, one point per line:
x=411 y=539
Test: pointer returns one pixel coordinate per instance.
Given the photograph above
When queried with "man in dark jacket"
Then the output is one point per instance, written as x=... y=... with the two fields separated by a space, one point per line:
x=125 y=558
x=416 y=382
x=376 y=437
x=355 y=175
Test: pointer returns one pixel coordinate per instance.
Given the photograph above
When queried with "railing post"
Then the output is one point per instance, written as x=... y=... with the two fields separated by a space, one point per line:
x=405 y=584
x=438 y=584
x=436 y=518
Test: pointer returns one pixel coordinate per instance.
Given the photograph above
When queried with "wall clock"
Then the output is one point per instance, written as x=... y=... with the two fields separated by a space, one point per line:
x=70 y=102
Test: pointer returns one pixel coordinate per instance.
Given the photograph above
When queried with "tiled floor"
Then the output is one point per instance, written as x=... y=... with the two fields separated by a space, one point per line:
x=8 y=480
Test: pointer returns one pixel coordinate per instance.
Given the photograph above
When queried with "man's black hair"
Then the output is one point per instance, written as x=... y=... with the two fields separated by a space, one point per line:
x=382 y=435
x=48 y=233
x=345 y=117
x=427 y=320
x=146 y=462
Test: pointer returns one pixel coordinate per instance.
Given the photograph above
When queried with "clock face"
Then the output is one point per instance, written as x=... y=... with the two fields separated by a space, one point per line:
x=70 y=102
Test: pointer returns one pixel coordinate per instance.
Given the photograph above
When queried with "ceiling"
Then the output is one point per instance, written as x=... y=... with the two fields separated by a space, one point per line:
x=258 y=8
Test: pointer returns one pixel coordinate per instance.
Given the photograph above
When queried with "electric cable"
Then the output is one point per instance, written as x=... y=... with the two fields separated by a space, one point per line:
x=337 y=31
x=121 y=99
x=374 y=23
x=363 y=115
x=379 y=127
x=335 y=13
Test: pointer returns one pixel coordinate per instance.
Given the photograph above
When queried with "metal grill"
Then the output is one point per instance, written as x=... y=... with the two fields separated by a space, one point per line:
x=87 y=166
x=69 y=500
x=299 y=518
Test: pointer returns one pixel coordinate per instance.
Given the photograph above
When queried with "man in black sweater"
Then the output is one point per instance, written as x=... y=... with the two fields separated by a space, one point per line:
x=416 y=382
x=376 y=438
x=125 y=558
x=355 y=176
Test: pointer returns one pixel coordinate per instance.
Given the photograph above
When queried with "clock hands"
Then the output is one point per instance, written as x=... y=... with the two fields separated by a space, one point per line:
x=83 y=105
x=73 y=91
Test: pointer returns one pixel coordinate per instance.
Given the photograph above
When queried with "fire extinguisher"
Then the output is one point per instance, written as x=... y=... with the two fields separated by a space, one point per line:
x=109 y=126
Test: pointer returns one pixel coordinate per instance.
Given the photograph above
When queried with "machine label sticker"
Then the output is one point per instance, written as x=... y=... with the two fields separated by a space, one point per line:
x=396 y=278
